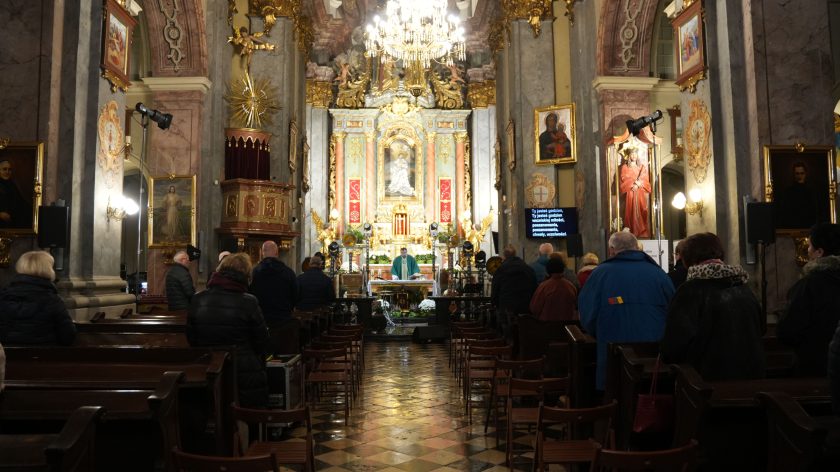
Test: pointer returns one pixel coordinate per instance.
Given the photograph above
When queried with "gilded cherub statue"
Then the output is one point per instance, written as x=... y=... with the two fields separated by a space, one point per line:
x=247 y=43
x=473 y=234
x=326 y=233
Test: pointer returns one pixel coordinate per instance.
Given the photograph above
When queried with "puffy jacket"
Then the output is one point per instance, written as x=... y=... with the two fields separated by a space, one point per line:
x=315 y=290
x=225 y=315
x=513 y=286
x=275 y=286
x=811 y=316
x=31 y=312
x=179 y=287
x=714 y=324
x=624 y=300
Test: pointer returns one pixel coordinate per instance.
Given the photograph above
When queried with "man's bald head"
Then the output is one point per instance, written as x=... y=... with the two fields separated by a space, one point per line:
x=546 y=249
x=623 y=241
x=269 y=249
x=509 y=251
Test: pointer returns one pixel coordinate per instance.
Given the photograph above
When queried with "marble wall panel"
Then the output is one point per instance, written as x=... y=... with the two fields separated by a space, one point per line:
x=20 y=62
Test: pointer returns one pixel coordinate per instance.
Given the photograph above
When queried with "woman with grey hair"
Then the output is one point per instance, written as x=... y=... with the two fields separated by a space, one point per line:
x=31 y=312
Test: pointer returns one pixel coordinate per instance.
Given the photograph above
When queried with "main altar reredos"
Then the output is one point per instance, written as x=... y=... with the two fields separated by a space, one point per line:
x=399 y=164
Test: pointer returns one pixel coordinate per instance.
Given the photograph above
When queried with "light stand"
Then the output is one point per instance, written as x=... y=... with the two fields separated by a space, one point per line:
x=433 y=232
x=467 y=247
x=481 y=266
x=334 y=254
x=144 y=122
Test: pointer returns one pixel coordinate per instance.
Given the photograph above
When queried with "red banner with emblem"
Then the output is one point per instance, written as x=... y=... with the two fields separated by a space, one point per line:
x=354 y=201
x=445 y=187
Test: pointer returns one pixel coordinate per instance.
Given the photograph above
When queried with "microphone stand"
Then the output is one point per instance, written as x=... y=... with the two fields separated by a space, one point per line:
x=144 y=122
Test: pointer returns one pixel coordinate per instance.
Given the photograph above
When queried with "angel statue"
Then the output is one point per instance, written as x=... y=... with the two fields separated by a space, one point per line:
x=247 y=43
x=326 y=233
x=473 y=234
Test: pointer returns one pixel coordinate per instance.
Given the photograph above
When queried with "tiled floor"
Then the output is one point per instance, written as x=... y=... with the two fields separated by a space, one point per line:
x=409 y=417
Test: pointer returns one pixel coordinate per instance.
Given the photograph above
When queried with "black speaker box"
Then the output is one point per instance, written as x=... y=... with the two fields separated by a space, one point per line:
x=574 y=245
x=761 y=223
x=428 y=334
x=53 y=226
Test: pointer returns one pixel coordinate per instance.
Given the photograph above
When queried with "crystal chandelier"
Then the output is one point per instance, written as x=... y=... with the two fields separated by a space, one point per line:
x=416 y=31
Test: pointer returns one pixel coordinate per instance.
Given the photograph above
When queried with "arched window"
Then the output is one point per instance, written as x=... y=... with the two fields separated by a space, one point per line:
x=662 y=63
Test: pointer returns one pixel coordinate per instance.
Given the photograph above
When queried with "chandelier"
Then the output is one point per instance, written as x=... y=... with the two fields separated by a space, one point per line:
x=416 y=31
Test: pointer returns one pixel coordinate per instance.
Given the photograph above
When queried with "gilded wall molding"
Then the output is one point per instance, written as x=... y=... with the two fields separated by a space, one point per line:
x=270 y=10
x=697 y=131
x=318 y=93
x=482 y=94
x=332 y=170
x=467 y=175
x=534 y=11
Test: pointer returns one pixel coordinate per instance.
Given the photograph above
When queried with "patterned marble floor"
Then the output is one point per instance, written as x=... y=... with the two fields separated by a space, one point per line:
x=409 y=416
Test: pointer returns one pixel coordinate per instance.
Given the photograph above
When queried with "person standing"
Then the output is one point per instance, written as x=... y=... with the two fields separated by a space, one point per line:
x=226 y=314
x=275 y=286
x=31 y=312
x=538 y=266
x=513 y=284
x=556 y=297
x=714 y=320
x=404 y=267
x=590 y=262
x=813 y=309
x=315 y=289
x=625 y=299
x=680 y=272
x=179 y=282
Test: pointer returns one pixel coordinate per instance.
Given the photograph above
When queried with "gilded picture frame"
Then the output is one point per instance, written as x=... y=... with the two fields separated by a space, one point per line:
x=400 y=166
x=293 y=145
x=554 y=135
x=690 y=46
x=116 y=44
x=510 y=140
x=21 y=175
x=801 y=183
x=172 y=211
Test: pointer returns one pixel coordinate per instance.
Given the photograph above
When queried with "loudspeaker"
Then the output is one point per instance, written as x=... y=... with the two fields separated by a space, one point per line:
x=574 y=245
x=428 y=334
x=495 y=242
x=761 y=223
x=53 y=226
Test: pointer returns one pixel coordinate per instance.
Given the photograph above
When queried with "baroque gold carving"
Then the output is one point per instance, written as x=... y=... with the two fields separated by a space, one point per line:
x=270 y=10
x=318 y=93
x=304 y=178
x=697 y=140
x=691 y=83
x=252 y=102
x=467 y=176
x=498 y=152
x=351 y=94
x=332 y=171
x=531 y=10
x=482 y=94
x=448 y=94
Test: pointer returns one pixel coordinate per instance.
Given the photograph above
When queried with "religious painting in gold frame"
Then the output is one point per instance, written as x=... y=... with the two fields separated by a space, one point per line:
x=690 y=44
x=21 y=169
x=554 y=135
x=172 y=211
x=400 y=166
x=116 y=44
x=801 y=183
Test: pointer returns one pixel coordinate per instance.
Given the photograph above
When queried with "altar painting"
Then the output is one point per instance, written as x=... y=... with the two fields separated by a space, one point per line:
x=400 y=169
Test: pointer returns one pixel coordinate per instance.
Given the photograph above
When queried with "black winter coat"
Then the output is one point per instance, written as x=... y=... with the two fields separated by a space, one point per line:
x=31 y=312
x=714 y=324
x=834 y=370
x=179 y=287
x=315 y=290
x=513 y=285
x=224 y=315
x=812 y=315
x=275 y=286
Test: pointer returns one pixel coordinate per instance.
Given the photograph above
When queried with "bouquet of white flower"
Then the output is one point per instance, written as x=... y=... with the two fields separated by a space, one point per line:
x=427 y=307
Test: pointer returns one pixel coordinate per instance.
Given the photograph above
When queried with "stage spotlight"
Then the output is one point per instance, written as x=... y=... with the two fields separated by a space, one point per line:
x=163 y=120
x=334 y=248
x=480 y=257
x=433 y=230
x=636 y=126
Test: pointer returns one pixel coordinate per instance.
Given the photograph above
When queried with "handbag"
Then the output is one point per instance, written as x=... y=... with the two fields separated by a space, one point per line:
x=654 y=411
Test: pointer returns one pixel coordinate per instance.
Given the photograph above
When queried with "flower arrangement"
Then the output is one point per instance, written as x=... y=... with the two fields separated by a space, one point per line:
x=427 y=307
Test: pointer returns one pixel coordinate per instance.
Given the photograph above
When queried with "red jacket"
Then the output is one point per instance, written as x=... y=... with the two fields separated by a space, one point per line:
x=555 y=299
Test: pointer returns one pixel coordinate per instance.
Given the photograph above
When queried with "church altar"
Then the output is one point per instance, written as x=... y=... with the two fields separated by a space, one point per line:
x=392 y=291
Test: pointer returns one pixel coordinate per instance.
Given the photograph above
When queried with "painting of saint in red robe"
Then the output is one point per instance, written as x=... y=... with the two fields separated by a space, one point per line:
x=634 y=186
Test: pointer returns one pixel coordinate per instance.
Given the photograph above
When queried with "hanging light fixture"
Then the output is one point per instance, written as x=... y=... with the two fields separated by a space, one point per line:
x=416 y=31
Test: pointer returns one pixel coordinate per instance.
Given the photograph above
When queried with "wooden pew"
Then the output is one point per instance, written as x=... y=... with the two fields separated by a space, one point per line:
x=71 y=449
x=138 y=423
x=582 y=360
x=796 y=440
x=127 y=333
x=208 y=388
x=728 y=420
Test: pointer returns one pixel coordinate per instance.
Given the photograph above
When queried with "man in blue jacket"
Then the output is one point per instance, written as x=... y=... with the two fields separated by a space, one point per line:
x=625 y=299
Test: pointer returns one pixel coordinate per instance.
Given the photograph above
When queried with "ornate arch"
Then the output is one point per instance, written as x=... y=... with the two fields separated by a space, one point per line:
x=177 y=37
x=625 y=34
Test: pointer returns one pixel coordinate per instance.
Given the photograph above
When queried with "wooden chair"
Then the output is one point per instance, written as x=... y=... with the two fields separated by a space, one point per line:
x=285 y=452
x=479 y=369
x=504 y=371
x=682 y=459
x=185 y=462
x=318 y=381
x=519 y=413
x=573 y=450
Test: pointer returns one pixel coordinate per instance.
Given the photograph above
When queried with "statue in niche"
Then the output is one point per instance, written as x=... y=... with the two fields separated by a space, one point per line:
x=400 y=169
x=389 y=77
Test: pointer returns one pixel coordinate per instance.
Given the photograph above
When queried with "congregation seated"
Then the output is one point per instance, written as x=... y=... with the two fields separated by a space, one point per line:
x=556 y=297
x=226 y=314
x=714 y=319
x=813 y=309
x=31 y=312
x=314 y=288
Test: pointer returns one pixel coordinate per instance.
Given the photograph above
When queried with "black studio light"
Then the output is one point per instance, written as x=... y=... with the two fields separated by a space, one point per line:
x=637 y=125
x=163 y=120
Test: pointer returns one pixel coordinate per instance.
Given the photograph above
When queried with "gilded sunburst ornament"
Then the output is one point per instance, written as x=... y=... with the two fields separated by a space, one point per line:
x=252 y=102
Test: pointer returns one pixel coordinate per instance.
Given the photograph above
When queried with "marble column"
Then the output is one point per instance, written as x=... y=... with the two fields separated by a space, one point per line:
x=485 y=197
x=370 y=176
x=317 y=198
x=339 y=179
x=431 y=186
x=460 y=153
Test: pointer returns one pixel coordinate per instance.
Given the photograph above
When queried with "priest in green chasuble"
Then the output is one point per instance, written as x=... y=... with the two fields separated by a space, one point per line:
x=404 y=267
